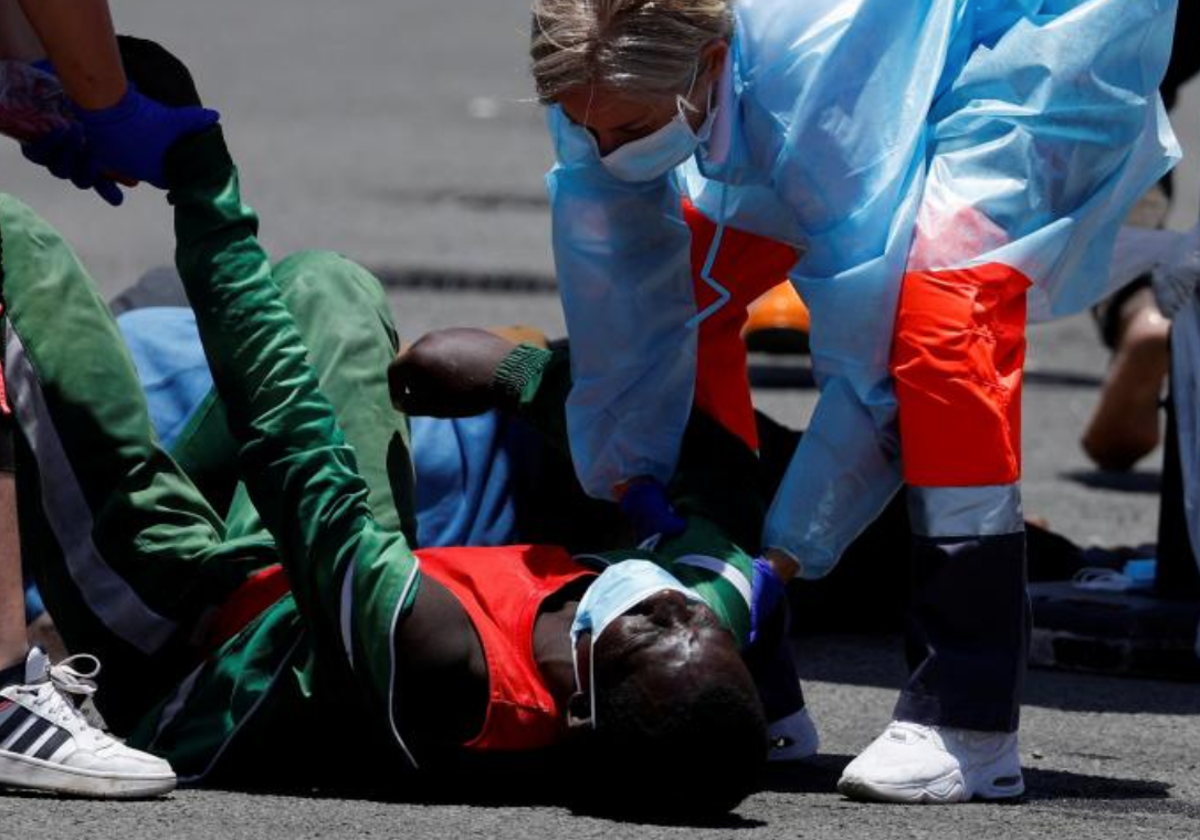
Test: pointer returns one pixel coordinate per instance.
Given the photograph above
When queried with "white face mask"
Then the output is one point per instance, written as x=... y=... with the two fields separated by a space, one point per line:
x=620 y=588
x=654 y=155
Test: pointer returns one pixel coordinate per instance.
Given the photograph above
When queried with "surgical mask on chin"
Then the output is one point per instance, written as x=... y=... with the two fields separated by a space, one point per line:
x=654 y=155
x=617 y=590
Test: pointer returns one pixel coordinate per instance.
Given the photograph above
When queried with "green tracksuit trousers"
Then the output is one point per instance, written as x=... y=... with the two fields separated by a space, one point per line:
x=135 y=563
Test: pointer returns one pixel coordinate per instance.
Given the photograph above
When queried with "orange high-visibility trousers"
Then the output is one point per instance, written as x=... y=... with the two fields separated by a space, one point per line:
x=957 y=360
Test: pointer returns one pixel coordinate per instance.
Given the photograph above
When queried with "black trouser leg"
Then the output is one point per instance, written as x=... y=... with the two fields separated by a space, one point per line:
x=967 y=633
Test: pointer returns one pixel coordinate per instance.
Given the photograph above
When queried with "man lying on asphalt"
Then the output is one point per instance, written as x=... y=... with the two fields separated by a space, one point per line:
x=298 y=637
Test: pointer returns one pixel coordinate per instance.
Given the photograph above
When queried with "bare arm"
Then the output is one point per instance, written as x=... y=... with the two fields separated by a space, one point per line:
x=18 y=41
x=78 y=36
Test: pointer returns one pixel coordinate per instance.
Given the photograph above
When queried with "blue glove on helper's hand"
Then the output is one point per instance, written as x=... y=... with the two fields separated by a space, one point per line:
x=64 y=152
x=132 y=137
x=768 y=594
x=646 y=506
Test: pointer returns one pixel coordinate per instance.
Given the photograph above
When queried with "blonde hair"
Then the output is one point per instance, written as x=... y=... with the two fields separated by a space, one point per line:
x=645 y=46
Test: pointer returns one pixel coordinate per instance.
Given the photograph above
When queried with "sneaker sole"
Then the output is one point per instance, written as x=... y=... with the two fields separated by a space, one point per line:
x=943 y=791
x=946 y=790
x=995 y=790
x=33 y=774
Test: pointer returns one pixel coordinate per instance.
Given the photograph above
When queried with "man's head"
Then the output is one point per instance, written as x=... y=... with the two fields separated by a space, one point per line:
x=678 y=726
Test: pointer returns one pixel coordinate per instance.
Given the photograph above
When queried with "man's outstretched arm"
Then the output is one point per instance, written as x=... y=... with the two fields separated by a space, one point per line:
x=352 y=580
x=301 y=474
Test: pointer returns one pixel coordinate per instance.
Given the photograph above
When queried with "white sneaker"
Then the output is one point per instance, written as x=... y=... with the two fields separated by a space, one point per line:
x=910 y=762
x=47 y=744
x=793 y=738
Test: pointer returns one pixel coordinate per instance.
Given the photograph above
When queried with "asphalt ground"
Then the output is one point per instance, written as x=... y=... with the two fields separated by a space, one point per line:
x=402 y=134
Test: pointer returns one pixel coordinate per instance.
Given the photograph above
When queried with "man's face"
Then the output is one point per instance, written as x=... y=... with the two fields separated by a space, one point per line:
x=661 y=644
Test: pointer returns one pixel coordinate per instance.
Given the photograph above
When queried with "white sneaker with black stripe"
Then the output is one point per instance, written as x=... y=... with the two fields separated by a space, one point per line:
x=46 y=743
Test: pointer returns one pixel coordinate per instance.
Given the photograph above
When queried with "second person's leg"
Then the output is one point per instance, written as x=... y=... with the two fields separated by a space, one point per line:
x=130 y=559
x=957 y=362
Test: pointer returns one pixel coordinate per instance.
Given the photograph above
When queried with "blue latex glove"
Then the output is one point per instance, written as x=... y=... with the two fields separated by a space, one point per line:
x=132 y=137
x=646 y=506
x=64 y=152
x=768 y=595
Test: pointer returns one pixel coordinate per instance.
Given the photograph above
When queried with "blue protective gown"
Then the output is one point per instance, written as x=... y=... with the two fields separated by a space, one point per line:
x=875 y=136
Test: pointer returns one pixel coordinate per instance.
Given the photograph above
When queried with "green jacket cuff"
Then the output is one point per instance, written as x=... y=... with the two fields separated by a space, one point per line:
x=517 y=377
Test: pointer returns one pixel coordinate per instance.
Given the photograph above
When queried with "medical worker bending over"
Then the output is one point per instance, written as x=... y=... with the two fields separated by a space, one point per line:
x=941 y=169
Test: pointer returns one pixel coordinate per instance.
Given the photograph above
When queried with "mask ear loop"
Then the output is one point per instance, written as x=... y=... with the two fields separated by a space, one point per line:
x=592 y=683
x=591 y=718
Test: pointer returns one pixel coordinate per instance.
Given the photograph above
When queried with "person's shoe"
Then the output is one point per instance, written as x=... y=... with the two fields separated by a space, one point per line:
x=793 y=738
x=913 y=763
x=46 y=744
x=777 y=322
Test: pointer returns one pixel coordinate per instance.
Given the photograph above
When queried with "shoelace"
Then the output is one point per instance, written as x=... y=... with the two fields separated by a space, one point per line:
x=72 y=681
x=66 y=680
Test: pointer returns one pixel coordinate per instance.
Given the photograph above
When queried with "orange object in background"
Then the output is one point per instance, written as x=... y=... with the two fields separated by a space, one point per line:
x=778 y=322
x=957 y=358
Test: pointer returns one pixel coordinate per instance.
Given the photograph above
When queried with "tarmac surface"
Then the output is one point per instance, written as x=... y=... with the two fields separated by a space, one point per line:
x=402 y=134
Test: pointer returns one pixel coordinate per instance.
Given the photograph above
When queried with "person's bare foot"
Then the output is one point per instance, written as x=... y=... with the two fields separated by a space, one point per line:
x=1125 y=425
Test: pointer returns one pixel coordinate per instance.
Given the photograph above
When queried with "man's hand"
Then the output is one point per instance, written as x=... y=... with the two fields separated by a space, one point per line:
x=448 y=373
x=132 y=137
x=162 y=105
x=768 y=596
x=158 y=73
x=128 y=141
